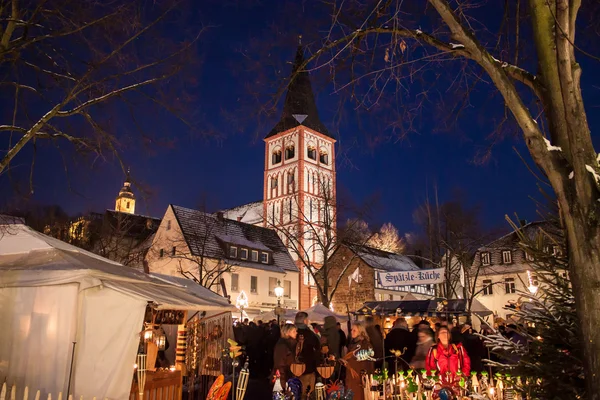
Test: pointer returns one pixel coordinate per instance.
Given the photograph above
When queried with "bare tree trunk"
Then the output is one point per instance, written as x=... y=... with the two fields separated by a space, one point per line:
x=584 y=259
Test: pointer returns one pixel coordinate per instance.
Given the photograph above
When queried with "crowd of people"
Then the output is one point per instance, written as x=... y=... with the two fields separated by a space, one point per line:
x=440 y=348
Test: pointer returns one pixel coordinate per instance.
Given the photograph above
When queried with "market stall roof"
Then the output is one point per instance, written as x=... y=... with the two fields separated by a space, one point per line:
x=318 y=312
x=422 y=308
x=30 y=258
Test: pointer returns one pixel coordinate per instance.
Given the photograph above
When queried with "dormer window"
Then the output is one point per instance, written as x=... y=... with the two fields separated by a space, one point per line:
x=233 y=250
x=311 y=152
x=506 y=257
x=485 y=258
x=264 y=258
x=276 y=156
x=254 y=255
x=290 y=152
x=323 y=157
x=244 y=254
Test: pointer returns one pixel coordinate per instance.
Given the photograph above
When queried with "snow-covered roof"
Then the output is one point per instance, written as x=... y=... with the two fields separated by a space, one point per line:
x=251 y=213
x=385 y=261
x=208 y=234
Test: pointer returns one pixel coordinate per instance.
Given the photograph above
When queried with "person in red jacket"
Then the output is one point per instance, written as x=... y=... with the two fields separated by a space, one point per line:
x=446 y=357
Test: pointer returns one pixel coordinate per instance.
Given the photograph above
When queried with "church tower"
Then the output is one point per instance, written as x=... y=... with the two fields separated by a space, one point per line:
x=126 y=199
x=300 y=176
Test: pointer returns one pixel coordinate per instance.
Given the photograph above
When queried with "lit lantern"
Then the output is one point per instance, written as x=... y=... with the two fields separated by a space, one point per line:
x=161 y=341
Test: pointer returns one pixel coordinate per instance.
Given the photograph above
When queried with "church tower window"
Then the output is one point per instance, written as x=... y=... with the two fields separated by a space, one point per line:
x=311 y=152
x=276 y=156
x=290 y=152
x=323 y=157
x=274 y=183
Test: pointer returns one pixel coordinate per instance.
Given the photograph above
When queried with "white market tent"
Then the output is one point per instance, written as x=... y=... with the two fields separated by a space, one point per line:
x=318 y=312
x=53 y=294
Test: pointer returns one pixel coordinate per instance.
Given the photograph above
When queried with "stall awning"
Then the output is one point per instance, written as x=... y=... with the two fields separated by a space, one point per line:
x=422 y=308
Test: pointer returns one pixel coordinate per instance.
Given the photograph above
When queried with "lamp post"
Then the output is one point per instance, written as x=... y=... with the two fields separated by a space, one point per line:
x=279 y=293
x=241 y=303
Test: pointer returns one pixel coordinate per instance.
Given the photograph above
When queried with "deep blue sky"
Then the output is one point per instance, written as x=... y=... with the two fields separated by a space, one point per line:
x=229 y=171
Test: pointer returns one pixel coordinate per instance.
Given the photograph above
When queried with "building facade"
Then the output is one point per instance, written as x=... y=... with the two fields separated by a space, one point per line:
x=227 y=256
x=504 y=270
x=359 y=268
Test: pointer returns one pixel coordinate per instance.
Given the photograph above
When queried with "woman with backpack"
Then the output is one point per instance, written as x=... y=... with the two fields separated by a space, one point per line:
x=449 y=360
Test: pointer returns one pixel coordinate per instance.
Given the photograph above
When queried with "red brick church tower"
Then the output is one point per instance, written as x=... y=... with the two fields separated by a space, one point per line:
x=299 y=163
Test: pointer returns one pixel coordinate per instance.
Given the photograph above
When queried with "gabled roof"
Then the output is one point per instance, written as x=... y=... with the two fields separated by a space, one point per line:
x=209 y=233
x=530 y=230
x=299 y=107
x=383 y=260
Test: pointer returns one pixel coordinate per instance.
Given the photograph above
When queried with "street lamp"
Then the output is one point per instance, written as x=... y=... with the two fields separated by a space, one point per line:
x=241 y=303
x=279 y=293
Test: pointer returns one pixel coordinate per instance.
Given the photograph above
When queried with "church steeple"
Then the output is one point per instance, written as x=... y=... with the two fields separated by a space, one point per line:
x=126 y=199
x=299 y=107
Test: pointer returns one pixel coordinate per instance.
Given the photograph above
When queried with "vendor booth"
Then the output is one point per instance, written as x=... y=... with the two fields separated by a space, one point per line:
x=76 y=323
x=454 y=310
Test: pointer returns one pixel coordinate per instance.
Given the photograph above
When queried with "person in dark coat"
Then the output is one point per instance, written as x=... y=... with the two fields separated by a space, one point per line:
x=284 y=353
x=309 y=355
x=376 y=340
x=398 y=339
x=330 y=336
x=474 y=347
x=343 y=340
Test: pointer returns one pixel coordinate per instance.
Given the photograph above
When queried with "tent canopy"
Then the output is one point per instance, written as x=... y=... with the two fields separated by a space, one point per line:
x=318 y=312
x=29 y=258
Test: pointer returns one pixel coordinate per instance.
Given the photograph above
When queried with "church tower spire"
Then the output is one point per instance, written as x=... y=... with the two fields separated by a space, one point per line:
x=299 y=107
x=300 y=174
x=126 y=199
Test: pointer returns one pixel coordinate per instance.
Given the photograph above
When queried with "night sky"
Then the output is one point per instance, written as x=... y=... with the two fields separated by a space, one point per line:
x=227 y=171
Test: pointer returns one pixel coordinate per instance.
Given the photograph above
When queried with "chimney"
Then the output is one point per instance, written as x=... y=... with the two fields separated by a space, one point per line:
x=523 y=222
x=220 y=215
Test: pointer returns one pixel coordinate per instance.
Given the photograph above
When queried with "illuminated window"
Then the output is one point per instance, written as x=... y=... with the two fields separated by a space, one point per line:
x=276 y=157
x=311 y=152
x=290 y=152
x=324 y=158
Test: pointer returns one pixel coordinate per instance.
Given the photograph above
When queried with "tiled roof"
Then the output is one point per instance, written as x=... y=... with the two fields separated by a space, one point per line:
x=383 y=260
x=206 y=232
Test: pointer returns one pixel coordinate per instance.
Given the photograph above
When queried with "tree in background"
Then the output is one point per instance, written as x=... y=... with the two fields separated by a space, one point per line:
x=66 y=63
x=551 y=364
x=313 y=243
x=449 y=237
x=386 y=239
